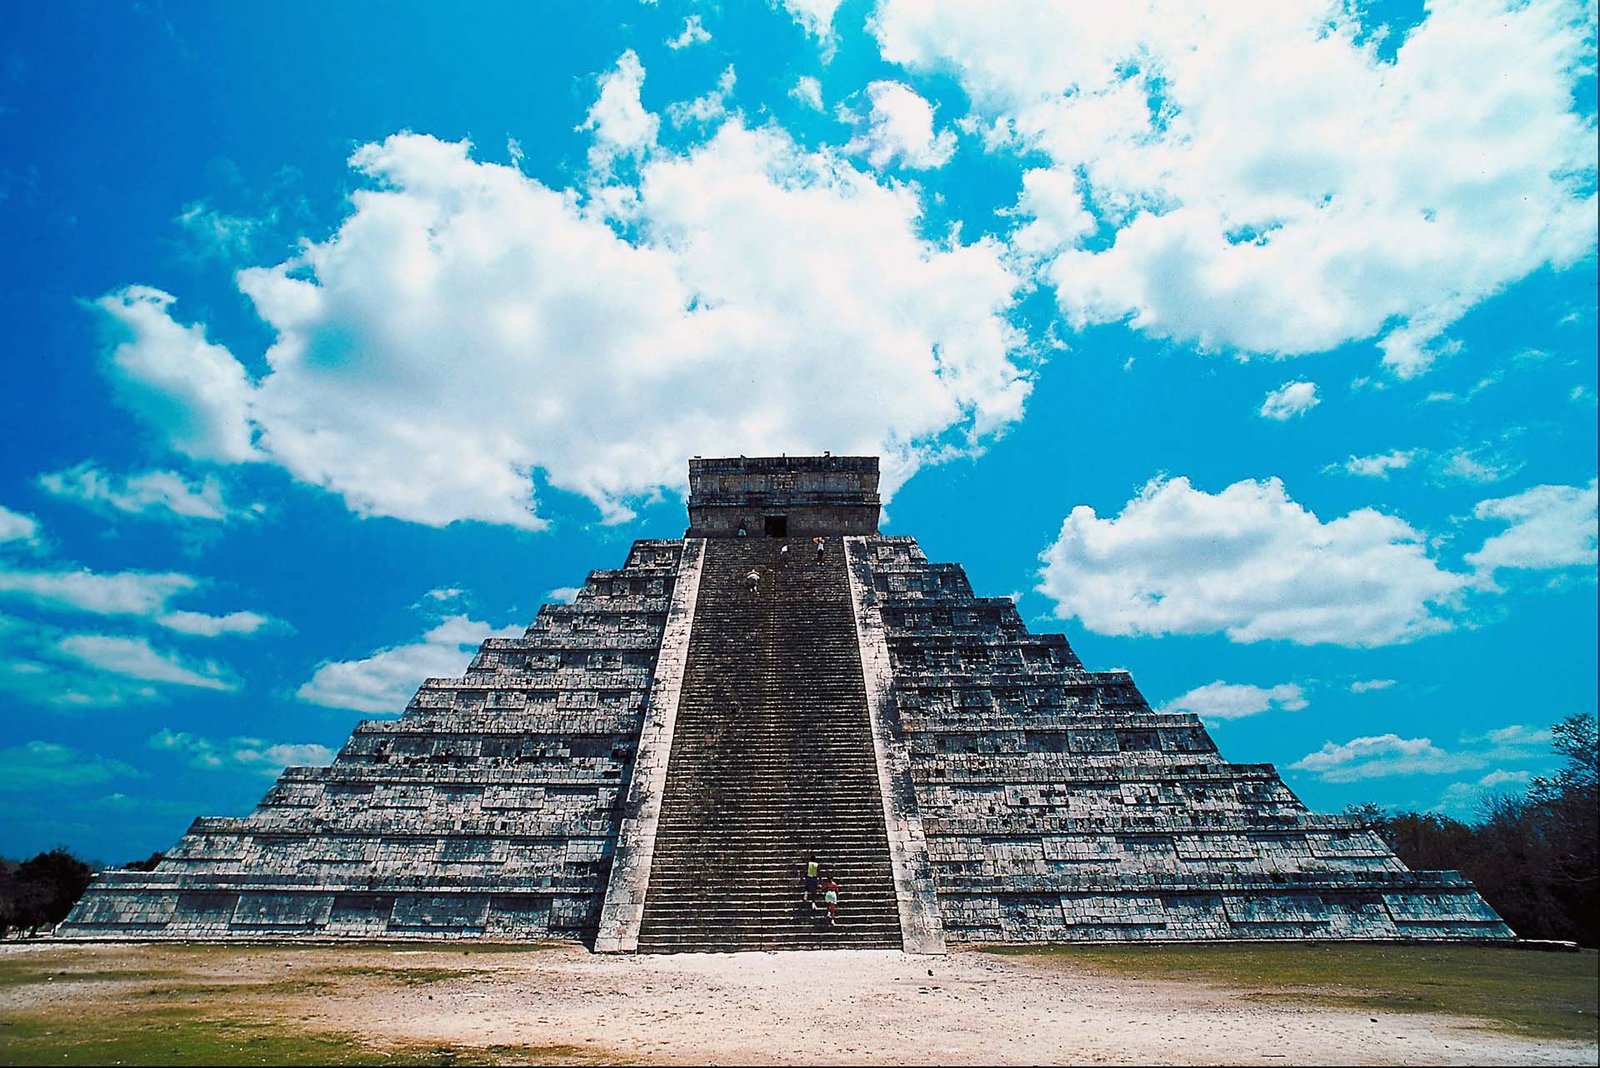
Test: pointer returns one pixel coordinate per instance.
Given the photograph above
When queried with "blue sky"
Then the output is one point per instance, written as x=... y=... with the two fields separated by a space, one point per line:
x=1253 y=348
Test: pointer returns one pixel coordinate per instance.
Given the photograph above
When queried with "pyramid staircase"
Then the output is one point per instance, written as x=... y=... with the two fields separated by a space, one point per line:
x=772 y=759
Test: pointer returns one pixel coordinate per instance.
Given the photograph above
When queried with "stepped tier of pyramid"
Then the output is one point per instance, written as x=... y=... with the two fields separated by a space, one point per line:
x=648 y=768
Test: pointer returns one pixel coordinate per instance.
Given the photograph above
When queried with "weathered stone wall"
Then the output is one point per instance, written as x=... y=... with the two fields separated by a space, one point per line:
x=831 y=495
x=489 y=809
x=1058 y=806
x=640 y=814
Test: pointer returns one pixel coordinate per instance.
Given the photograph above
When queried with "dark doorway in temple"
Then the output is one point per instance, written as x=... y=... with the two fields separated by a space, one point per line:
x=776 y=526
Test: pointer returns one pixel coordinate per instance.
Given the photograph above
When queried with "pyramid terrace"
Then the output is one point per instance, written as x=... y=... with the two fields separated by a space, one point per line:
x=647 y=769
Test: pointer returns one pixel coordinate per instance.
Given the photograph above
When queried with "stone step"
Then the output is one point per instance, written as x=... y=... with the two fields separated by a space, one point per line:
x=795 y=921
x=772 y=758
x=840 y=858
x=856 y=877
x=802 y=929
x=812 y=932
x=782 y=920
x=775 y=823
x=798 y=922
x=743 y=839
x=849 y=871
x=838 y=829
x=831 y=834
x=781 y=804
x=788 y=847
x=778 y=801
x=738 y=912
x=799 y=784
x=779 y=788
x=831 y=940
x=806 y=698
x=852 y=872
x=749 y=741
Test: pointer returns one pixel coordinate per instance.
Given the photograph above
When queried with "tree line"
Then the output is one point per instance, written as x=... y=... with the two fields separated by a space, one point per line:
x=38 y=893
x=1535 y=858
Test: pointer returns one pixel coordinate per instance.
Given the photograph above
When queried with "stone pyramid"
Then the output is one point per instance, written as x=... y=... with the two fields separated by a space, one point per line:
x=647 y=769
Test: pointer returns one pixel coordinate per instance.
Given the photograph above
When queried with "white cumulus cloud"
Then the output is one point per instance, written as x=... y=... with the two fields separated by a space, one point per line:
x=386 y=680
x=1501 y=777
x=1270 y=181
x=142 y=594
x=1383 y=755
x=707 y=108
x=34 y=670
x=163 y=493
x=251 y=754
x=468 y=329
x=1228 y=700
x=193 y=392
x=1248 y=562
x=1468 y=465
x=18 y=527
x=218 y=235
x=816 y=18
x=123 y=593
x=1292 y=399
x=900 y=129
x=135 y=659
x=1377 y=465
x=693 y=33
x=808 y=91
x=209 y=626
x=1376 y=756
x=618 y=118
x=1055 y=212
x=1547 y=527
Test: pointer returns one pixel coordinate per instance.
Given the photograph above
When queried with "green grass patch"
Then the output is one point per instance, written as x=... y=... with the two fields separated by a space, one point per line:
x=190 y=1036
x=421 y=946
x=1543 y=995
x=403 y=975
x=64 y=963
x=28 y=973
x=197 y=985
x=177 y=1015
x=172 y=1036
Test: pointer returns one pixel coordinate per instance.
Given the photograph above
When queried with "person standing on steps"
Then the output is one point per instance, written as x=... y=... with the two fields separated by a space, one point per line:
x=830 y=898
x=783 y=554
x=754 y=579
x=810 y=882
x=822 y=546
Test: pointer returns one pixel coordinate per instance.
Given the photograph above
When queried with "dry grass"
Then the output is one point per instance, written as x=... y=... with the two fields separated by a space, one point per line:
x=197 y=1011
x=1539 y=994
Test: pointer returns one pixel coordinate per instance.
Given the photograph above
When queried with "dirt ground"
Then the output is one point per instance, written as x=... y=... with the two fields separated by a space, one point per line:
x=842 y=1007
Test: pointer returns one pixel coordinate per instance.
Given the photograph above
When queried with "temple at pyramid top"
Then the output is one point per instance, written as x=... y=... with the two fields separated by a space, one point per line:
x=783 y=496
